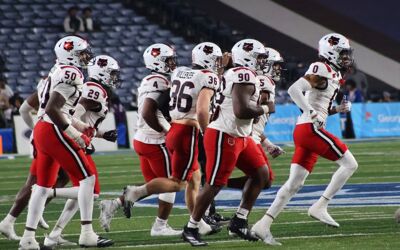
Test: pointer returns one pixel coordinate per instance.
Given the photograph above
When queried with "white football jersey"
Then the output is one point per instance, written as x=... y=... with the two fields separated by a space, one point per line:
x=186 y=84
x=66 y=80
x=266 y=84
x=151 y=87
x=321 y=99
x=94 y=91
x=224 y=118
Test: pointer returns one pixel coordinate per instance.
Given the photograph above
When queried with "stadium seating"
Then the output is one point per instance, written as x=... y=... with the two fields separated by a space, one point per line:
x=29 y=30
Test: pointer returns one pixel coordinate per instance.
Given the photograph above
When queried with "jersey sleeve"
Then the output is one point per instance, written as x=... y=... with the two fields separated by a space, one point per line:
x=243 y=75
x=320 y=69
x=209 y=80
x=154 y=84
x=267 y=84
x=94 y=91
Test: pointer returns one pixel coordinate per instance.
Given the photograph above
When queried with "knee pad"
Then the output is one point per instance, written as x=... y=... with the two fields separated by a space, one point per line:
x=348 y=161
x=167 y=197
x=88 y=180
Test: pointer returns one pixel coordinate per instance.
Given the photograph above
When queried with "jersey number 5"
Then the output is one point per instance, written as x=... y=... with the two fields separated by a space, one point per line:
x=179 y=99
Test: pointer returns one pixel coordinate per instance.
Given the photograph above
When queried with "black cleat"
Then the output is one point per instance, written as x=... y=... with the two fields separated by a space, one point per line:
x=127 y=207
x=210 y=220
x=221 y=220
x=240 y=228
x=101 y=242
x=192 y=236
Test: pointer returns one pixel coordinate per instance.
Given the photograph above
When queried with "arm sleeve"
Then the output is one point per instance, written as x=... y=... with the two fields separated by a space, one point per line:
x=79 y=111
x=296 y=93
x=25 y=112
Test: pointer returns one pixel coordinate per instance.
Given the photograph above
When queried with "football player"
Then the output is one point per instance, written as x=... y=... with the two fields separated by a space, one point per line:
x=228 y=144
x=321 y=84
x=31 y=104
x=267 y=77
x=58 y=142
x=149 y=141
x=191 y=93
x=91 y=109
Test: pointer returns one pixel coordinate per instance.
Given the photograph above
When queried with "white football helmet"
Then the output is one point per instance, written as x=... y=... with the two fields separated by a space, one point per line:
x=207 y=55
x=250 y=53
x=73 y=50
x=336 y=49
x=160 y=58
x=273 y=66
x=105 y=69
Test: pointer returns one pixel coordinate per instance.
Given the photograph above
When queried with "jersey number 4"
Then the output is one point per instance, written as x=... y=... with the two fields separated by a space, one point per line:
x=180 y=99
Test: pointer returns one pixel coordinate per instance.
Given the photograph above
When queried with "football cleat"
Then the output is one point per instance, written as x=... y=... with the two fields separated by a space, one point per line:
x=108 y=208
x=127 y=206
x=208 y=229
x=165 y=230
x=239 y=227
x=50 y=242
x=220 y=219
x=192 y=236
x=7 y=229
x=43 y=224
x=91 y=239
x=321 y=214
x=28 y=243
x=261 y=230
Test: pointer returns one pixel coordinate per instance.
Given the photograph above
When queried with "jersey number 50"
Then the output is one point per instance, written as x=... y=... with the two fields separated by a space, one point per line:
x=178 y=94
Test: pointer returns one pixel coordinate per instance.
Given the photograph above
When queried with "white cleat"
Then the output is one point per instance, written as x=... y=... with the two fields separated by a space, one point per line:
x=261 y=230
x=108 y=208
x=43 y=224
x=7 y=229
x=321 y=214
x=131 y=193
x=28 y=243
x=91 y=239
x=59 y=241
x=164 y=231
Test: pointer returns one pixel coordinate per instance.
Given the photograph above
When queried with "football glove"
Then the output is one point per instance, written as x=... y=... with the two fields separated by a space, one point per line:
x=110 y=135
x=81 y=139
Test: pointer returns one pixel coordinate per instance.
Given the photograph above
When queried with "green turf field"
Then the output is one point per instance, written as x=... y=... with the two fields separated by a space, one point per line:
x=361 y=227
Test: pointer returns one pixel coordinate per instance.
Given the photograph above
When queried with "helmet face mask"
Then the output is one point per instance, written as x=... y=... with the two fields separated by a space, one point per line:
x=85 y=56
x=170 y=63
x=274 y=65
x=345 y=59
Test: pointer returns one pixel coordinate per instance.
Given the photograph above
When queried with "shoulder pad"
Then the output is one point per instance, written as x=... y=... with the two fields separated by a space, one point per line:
x=320 y=69
x=153 y=83
x=71 y=75
x=242 y=75
x=209 y=79
x=266 y=83
x=94 y=91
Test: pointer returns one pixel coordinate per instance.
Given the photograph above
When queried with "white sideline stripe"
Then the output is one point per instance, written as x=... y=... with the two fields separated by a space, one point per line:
x=279 y=238
x=225 y=241
x=276 y=223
